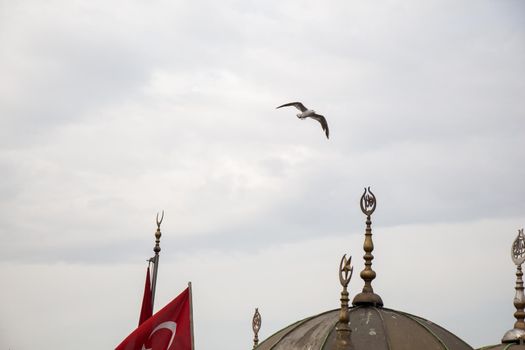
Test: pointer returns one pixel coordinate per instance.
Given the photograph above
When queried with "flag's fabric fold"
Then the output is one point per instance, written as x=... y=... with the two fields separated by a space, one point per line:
x=168 y=329
x=147 y=309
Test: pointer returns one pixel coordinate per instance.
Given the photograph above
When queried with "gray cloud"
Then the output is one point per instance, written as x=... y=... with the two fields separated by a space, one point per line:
x=109 y=114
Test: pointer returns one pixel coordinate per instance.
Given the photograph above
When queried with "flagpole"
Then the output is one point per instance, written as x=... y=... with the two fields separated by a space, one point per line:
x=191 y=317
x=156 y=249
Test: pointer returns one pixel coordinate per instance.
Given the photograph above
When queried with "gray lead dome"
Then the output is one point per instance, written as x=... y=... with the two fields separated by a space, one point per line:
x=373 y=328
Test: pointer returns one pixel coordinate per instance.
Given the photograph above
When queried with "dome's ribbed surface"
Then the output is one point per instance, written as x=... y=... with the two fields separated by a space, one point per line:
x=373 y=328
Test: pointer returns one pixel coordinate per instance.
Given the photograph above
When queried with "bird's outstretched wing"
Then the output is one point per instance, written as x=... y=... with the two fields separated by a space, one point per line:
x=297 y=105
x=323 y=122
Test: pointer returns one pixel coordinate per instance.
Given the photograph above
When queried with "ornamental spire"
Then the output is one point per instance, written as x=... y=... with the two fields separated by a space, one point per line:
x=343 y=329
x=367 y=296
x=517 y=334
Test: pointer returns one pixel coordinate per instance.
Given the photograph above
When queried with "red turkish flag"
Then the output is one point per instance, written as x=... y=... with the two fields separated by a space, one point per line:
x=168 y=329
x=147 y=310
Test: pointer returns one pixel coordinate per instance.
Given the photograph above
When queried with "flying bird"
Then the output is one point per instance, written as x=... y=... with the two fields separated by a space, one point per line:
x=305 y=113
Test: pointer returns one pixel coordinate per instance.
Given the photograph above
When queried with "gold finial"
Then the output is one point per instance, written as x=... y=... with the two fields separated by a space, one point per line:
x=517 y=334
x=343 y=327
x=367 y=296
x=256 y=325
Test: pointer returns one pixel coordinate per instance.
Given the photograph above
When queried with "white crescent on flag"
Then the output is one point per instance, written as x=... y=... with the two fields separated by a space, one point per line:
x=170 y=325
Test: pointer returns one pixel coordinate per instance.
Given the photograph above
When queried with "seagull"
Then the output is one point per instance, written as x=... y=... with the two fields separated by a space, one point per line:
x=305 y=112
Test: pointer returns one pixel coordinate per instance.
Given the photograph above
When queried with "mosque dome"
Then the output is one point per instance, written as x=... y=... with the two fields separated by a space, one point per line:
x=372 y=328
x=366 y=325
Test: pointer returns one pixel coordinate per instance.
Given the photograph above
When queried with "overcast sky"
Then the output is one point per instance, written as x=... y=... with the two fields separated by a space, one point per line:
x=113 y=111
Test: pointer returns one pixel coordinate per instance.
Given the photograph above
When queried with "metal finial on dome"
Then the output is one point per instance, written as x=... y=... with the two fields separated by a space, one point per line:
x=517 y=334
x=343 y=329
x=256 y=325
x=367 y=296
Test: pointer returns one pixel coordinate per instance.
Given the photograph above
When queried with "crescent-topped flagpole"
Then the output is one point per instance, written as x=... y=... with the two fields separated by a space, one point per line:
x=155 y=259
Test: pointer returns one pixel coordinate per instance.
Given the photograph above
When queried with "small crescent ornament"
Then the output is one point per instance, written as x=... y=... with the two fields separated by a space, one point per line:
x=345 y=270
x=518 y=249
x=169 y=325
